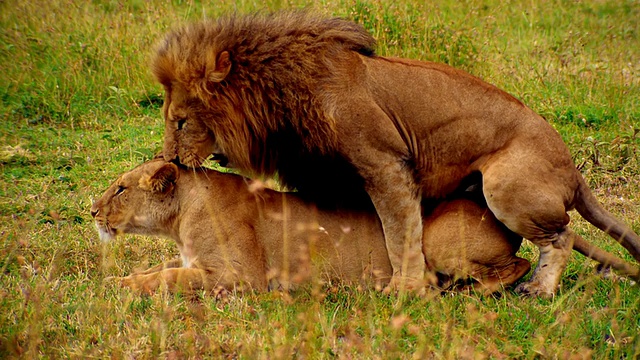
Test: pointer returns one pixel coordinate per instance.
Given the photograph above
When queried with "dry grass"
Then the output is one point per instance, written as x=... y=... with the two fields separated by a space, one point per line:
x=79 y=106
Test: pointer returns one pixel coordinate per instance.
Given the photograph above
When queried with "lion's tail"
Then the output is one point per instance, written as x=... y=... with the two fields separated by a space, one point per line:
x=605 y=258
x=588 y=206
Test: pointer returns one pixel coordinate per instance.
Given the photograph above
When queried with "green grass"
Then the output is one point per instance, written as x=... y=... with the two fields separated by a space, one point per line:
x=78 y=106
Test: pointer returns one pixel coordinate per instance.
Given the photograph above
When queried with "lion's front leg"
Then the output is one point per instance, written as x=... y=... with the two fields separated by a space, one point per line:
x=397 y=202
x=379 y=152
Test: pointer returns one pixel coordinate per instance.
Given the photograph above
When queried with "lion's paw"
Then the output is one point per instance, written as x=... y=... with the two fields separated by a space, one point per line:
x=417 y=287
x=534 y=288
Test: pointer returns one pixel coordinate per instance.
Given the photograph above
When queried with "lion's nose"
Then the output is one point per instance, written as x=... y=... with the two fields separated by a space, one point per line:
x=170 y=155
x=94 y=212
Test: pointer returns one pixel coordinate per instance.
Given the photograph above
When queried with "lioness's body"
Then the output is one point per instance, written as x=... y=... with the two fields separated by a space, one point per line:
x=307 y=99
x=229 y=235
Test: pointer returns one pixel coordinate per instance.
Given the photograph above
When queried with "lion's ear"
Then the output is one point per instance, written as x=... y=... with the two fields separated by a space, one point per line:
x=221 y=68
x=163 y=179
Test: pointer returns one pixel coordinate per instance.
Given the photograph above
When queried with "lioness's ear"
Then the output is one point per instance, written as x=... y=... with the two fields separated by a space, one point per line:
x=163 y=179
x=220 y=69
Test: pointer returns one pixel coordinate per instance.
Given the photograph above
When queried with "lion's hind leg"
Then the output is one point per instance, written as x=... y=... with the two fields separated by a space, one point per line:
x=531 y=196
x=554 y=257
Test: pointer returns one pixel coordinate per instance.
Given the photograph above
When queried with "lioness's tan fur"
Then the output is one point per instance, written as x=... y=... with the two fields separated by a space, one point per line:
x=229 y=234
x=306 y=99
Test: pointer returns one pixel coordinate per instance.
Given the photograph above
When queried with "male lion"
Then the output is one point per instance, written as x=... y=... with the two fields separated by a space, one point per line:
x=230 y=234
x=306 y=99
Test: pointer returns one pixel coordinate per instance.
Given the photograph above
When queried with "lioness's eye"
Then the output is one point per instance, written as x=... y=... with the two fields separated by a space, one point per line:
x=181 y=123
x=120 y=190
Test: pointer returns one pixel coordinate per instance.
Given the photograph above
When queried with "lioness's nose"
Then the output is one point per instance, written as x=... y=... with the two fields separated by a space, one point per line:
x=94 y=212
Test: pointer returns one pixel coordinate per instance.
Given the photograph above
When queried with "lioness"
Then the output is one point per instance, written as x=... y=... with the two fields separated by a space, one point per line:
x=306 y=99
x=229 y=234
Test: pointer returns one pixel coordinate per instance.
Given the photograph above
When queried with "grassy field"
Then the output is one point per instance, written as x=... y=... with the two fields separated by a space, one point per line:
x=78 y=106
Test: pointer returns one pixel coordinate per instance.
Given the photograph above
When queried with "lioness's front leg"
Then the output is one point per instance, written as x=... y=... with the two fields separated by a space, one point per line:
x=174 y=279
x=174 y=263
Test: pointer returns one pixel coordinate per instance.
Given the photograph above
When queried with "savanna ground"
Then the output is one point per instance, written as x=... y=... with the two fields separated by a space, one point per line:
x=79 y=106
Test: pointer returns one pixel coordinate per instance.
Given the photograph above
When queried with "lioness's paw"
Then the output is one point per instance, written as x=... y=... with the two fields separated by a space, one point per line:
x=112 y=280
x=534 y=289
x=128 y=282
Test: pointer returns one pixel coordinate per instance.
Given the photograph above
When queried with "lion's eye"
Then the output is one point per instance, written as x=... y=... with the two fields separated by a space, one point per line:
x=120 y=190
x=181 y=123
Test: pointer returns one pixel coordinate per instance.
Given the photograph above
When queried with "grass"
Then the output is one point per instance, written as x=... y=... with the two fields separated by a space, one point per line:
x=78 y=106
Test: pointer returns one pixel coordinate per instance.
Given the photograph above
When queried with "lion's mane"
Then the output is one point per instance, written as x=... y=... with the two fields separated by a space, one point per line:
x=279 y=63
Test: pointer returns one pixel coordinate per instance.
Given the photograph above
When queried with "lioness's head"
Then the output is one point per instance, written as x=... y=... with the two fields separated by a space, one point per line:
x=141 y=201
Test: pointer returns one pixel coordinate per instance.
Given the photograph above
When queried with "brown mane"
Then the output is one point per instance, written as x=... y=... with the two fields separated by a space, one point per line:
x=278 y=63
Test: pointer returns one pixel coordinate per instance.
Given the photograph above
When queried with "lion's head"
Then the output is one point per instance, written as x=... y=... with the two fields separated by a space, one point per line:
x=187 y=139
x=139 y=201
x=232 y=88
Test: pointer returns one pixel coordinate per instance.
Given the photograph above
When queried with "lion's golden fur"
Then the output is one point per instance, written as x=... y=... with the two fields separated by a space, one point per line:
x=231 y=233
x=306 y=99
